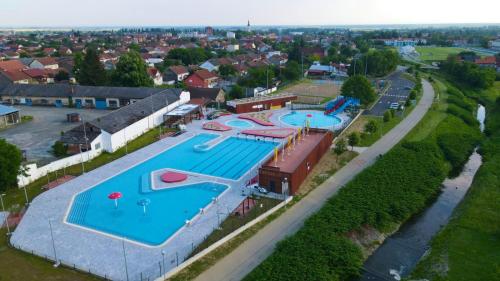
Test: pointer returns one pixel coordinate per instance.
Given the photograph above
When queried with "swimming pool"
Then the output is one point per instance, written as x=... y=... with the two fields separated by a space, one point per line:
x=241 y=124
x=317 y=119
x=168 y=208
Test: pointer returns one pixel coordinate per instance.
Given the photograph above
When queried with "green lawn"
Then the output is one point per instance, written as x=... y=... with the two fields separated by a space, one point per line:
x=436 y=53
x=383 y=127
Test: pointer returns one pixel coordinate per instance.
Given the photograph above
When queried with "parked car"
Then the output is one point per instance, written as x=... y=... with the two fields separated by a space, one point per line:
x=394 y=105
x=259 y=189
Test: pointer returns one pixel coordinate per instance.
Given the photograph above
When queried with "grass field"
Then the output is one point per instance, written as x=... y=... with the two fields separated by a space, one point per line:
x=436 y=53
x=468 y=248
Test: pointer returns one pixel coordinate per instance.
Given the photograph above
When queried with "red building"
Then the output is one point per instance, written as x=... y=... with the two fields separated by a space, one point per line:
x=260 y=103
x=202 y=79
x=286 y=176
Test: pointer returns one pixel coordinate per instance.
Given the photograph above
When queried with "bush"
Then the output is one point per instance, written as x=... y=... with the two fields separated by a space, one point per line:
x=387 y=116
x=463 y=114
x=461 y=103
x=59 y=149
x=371 y=127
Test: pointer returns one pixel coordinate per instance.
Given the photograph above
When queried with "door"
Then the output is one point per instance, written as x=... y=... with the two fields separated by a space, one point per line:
x=100 y=104
x=58 y=103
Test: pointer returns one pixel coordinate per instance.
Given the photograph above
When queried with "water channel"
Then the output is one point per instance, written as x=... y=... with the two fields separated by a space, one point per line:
x=400 y=253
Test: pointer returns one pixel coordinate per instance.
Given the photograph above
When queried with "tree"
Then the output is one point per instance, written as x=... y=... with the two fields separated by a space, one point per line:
x=371 y=127
x=236 y=92
x=353 y=139
x=10 y=164
x=61 y=76
x=227 y=70
x=257 y=77
x=59 y=149
x=340 y=147
x=189 y=56
x=90 y=71
x=387 y=116
x=292 y=71
x=131 y=71
x=359 y=87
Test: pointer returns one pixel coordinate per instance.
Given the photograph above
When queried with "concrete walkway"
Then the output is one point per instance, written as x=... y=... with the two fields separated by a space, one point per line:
x=240 y=262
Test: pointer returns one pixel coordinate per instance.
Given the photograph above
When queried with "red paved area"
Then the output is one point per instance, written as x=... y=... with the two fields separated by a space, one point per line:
x=58 y=182
x=273 y=133
x=261 y=118
x=216 y=126
x=170 y=177
x=244 y=207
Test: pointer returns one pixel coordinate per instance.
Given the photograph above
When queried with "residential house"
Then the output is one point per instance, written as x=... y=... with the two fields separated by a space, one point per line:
x=203 y=96
x=156 y=75
x=202 y=79
x=490 y=61
x=180 y=71
x=48 y=63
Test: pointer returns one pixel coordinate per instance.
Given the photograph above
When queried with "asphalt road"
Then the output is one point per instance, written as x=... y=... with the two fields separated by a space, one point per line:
x=240 y=262
x=398 y=92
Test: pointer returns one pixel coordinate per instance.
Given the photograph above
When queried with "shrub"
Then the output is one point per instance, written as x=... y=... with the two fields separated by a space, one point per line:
x=59 y=149
x=462 y=114
x=387 y=116
x=371 y=127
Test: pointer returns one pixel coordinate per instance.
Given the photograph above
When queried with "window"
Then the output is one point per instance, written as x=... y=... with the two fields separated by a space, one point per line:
x=97 y=146
x=89 y=101
x=113 y=103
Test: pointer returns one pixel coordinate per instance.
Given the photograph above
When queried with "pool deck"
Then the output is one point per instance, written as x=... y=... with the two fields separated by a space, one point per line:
x=104 y=255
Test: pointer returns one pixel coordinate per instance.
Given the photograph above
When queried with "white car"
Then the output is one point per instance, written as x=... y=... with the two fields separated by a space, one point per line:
x=394 y=105
x=259 y=188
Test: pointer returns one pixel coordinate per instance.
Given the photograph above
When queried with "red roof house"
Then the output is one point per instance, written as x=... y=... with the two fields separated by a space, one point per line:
x=202 y=79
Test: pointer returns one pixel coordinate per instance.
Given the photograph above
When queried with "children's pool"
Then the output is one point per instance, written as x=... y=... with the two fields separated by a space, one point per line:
x=168 y=209
x=317 y=119
x=240 y=124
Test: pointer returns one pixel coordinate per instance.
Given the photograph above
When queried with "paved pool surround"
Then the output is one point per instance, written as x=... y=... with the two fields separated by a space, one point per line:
x=103 y=254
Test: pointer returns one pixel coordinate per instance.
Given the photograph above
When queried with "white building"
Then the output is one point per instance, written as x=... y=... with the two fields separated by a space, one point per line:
x=231 y=35
x=232 y=47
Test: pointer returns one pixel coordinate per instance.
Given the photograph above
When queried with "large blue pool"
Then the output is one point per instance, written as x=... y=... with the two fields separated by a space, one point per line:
x=317 y=120
x=168 y=208
x=240 y=124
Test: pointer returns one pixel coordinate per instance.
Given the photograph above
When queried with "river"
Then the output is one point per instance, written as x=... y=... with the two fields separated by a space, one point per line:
x=400 y=252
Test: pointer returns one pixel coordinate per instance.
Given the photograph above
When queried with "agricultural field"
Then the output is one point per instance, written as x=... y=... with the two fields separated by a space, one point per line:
x=315 y=91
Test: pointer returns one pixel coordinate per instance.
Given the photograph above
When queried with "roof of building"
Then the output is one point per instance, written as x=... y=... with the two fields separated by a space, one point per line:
x=205 y=74
x=15 y=75
x=67 y=90
x=178 y=69
x=77 y=135
x=12 y=65
x=206 y=93
x=260 y=99
x=486 y=60
x=125 y=116
x=4 y=110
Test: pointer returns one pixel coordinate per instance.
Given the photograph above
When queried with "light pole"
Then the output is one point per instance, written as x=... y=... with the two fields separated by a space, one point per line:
x=81 y=154
x=125 y=257
x=53 y=244
x=7 y=215
x=163 y=261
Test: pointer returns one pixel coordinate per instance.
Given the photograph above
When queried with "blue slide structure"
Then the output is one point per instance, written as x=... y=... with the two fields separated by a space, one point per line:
x=339 y=104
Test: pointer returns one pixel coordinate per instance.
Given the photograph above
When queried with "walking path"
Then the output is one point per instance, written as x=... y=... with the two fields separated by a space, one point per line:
x=240 y=262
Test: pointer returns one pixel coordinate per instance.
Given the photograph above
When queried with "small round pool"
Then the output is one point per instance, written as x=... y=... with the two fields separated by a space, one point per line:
x=241 y=124
x=317 y=119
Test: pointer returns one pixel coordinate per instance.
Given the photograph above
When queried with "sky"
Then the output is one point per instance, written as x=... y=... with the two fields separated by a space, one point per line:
x=72 y=13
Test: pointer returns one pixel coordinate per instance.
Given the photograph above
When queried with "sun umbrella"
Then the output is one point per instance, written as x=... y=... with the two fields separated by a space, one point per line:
x=115 y=196
x=143 y=202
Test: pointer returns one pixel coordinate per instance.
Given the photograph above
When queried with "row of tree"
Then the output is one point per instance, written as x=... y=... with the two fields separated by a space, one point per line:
x=131 y=71
x=469 y=73
x=375 y=63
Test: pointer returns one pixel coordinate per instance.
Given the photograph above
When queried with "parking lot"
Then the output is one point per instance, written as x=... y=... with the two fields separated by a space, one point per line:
x=398 y=92
x=38 y=136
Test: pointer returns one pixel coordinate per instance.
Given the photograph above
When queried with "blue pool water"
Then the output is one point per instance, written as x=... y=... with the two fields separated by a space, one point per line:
x=318 y=119
x=242 y=124
x=168 y=208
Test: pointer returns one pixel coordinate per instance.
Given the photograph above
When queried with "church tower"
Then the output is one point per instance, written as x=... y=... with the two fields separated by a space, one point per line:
x=248 y=26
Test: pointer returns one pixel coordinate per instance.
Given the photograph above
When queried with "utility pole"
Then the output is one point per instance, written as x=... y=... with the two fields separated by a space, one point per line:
x=7 y=218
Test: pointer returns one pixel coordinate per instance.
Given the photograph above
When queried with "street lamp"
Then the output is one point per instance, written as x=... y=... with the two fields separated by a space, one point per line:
x=163 y=261
x=3 y=209
x=53 y=244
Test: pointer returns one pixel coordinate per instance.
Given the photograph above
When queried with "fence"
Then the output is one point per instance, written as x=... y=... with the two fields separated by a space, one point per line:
x=34 y=172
